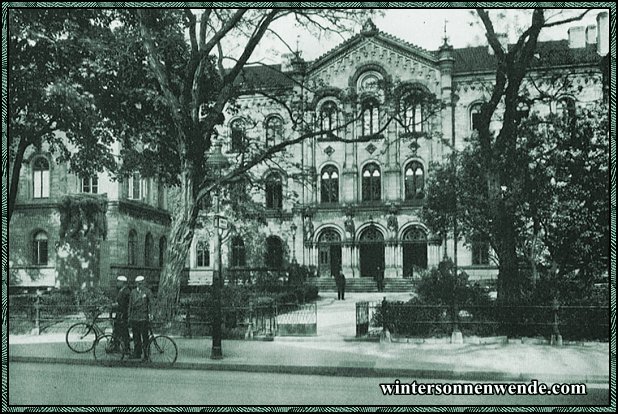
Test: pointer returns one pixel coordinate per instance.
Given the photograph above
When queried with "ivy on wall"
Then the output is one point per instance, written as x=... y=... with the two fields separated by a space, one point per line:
x=83 y=226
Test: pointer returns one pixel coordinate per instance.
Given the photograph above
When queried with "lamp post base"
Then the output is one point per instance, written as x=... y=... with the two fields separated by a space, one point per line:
x=215 y=353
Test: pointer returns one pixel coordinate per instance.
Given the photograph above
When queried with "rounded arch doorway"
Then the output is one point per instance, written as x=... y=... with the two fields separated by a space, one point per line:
x=371 y=249
x=414 y=241
x=329 y=253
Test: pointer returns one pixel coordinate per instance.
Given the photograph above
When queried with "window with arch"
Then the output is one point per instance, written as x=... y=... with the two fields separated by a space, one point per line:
x=238 y=258
x=39 y=248
x=565 y=107
x=132 y=248
x=480 y=252
x=135 y=186
x=203 y=253
x=371 y=116
x=274 y=191
x=40 y=177
x=412 y=109
x=371 y=184
x=90 y=185
x=273 y=257
x=274 y=129
x=162 y=251
x=414 y=180
x=475 y=116
x=237 y=132
x=329 y=118
x=148 y=251
x=330 y=184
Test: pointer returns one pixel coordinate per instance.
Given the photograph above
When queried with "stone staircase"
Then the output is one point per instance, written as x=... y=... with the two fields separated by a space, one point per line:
x=364 y=284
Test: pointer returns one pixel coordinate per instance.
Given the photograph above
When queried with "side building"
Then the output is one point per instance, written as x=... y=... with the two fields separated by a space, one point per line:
x=137 y=225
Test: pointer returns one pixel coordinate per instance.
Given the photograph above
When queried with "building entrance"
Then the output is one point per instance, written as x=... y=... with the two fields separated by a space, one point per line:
x=329 y=252
x=414 y=251
x=371 y=249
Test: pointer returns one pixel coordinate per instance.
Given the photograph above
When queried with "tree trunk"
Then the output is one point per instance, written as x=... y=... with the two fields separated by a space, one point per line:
x=15 y=175
x=509 y=281
x=181 y=234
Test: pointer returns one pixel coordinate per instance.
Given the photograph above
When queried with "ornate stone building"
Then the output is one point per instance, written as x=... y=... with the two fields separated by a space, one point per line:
x=352 y=195
x=359 y=203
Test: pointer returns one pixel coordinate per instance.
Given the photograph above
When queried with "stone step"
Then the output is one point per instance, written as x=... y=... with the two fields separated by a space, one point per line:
x=365 y=284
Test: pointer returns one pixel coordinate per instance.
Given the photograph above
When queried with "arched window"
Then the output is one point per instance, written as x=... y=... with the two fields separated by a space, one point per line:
x=162 y=251
x=237 y=128
x=238 y=252
x=329 y=118
x=273 y=257
x=414 y=180
x=40 y=177
x=371 y=116
x=274 y=127
x=39 y=249
x=274 y=191
x=148 y=251
x=135 y=186
x=330 y=184
x=412 y=110
x=371 y=183
x=475 y=116
x=90 y=185
x=203 y=253
x=480 y=252
x=132 y=248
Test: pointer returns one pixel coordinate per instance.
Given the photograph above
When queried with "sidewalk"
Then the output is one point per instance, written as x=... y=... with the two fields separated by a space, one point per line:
x=332 y=353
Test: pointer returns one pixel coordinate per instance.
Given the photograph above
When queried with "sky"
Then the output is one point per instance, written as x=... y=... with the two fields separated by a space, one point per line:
x=421 y=27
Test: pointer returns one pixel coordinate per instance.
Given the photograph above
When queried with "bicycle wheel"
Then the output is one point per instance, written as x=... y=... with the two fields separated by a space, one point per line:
x=108 y=349
x=162 y=350
x=80 y=337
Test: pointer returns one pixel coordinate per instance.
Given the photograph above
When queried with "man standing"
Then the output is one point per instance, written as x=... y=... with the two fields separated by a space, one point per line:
x=139 y=311
x=380 y=278
x=340 y=282
x=121 y=326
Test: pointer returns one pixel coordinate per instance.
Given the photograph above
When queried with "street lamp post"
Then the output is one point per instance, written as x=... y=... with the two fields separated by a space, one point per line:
x=293 y=230
x=217 y=162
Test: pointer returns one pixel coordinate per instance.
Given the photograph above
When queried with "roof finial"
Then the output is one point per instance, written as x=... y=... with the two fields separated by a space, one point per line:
x=445 y=38
x=369 y=27
x=297 y=43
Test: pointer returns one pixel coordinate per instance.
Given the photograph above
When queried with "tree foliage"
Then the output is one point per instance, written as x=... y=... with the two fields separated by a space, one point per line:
x=54 y=89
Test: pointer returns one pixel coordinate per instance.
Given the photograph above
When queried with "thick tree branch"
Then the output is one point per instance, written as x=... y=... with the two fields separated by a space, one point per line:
x=492 y=38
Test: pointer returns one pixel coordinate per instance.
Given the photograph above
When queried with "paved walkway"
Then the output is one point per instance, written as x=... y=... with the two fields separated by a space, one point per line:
x=333 y=352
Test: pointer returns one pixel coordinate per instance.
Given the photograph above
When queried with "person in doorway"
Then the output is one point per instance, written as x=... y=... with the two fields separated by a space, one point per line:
x=340 y=281
x=121 y=321
x=140 y=306
x=380 y=278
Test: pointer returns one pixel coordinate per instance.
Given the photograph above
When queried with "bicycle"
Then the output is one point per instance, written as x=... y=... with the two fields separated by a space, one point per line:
x=161 y=349
x=81 y=336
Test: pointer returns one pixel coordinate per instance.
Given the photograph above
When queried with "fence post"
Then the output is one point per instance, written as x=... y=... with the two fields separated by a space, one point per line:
x=37 y=313
x=556 y=338
x=385 y=337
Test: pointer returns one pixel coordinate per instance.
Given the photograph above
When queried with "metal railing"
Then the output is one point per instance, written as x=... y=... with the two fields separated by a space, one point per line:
x=550 y=321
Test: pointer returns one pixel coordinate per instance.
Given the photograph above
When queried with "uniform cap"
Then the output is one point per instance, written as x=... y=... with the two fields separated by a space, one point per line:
x=139 y=279
x=121 y=278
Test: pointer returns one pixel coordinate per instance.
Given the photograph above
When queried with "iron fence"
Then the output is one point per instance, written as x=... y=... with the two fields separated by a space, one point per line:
x=29 y=314
x=413 y=320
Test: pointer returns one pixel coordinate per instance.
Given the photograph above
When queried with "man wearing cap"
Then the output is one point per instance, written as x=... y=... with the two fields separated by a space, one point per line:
x=121 y=326
x=139 y=310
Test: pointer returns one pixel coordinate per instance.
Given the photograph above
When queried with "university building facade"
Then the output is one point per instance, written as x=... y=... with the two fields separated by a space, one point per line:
x=352 y=195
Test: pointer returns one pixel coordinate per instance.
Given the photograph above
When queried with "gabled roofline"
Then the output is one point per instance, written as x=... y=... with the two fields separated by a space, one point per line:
x=386 y=38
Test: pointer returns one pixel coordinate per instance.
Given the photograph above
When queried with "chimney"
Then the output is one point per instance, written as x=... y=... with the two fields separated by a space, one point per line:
x=577 y=37
x=503 y=38
x=603 y=33
x=591 y=34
